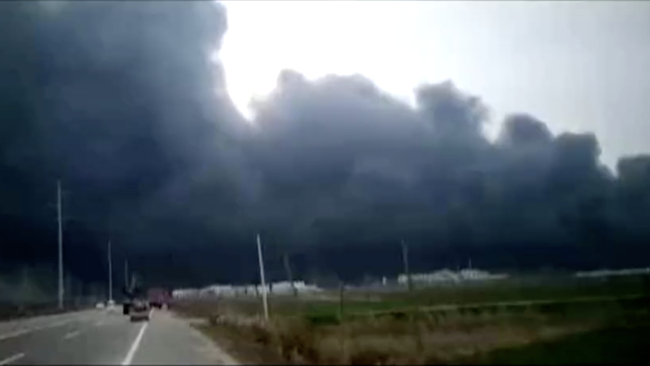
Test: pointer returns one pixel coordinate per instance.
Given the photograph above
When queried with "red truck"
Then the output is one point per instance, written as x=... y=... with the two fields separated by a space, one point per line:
x=158 y=297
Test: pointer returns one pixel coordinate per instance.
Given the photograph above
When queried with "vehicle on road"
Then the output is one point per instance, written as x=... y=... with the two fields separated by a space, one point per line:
x=139 y=310
x=158 y=298
x=126 y=306
x=131 y=291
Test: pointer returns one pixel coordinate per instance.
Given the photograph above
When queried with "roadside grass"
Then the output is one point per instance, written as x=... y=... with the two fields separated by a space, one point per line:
x=413 y=328
x=618 y=345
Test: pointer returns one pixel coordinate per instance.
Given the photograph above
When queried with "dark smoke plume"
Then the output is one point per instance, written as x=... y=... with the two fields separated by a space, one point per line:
x=120 y=101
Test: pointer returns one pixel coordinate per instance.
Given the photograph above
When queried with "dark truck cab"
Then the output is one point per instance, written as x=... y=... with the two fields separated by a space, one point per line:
x=131 y=292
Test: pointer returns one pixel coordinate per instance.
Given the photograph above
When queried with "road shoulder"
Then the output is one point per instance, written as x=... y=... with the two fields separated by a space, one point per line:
x=172 y=340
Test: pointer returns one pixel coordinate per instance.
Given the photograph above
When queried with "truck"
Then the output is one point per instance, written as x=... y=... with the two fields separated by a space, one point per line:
x=158 y=297
x=131 y=292
x=139 y=310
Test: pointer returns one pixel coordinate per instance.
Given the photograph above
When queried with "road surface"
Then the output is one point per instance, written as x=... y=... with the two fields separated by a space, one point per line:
x=106 y=337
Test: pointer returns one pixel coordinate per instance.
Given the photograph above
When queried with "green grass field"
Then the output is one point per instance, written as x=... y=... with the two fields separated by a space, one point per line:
x=554 y=320
x=617 y=345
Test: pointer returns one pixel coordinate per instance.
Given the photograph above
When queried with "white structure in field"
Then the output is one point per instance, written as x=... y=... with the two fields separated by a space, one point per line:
x=185 y=293
x=620 y=272
x=283 y=287
x=446 y=275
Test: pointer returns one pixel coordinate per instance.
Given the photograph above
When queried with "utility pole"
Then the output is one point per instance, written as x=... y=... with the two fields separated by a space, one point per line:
x=58 y=209
x=126 y=273
x=287 y=268
x=405 y=258
x=262 y=279
x=341 y=291
x=110 y=273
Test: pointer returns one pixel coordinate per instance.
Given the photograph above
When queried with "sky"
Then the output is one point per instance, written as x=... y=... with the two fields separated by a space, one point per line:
x=117 y=102
x=578 y=66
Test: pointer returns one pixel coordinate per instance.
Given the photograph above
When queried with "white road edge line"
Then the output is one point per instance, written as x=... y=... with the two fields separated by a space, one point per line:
x=72 y=334
x=134 y=346
x=15 y=333
x=12 y=358
x=58 y=324
x=22 y=331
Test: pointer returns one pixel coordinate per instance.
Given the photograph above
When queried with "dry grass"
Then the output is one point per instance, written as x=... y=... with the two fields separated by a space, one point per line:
x=391 y=341
x=383 y=329
x=419 y=339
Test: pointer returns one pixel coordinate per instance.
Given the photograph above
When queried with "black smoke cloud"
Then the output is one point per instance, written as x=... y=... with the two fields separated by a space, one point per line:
x=354 y=169
x=121 y=103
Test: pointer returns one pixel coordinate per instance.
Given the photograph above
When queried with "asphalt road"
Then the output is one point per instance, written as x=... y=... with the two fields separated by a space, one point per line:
x=106 y=337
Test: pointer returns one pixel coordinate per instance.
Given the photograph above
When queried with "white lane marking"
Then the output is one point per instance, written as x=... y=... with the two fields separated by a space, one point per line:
x=12 y=358
x=14 y=334
x=72 y=334
x=58 y=324
x=20 y=332
x=134 y=346
x=99 y=323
